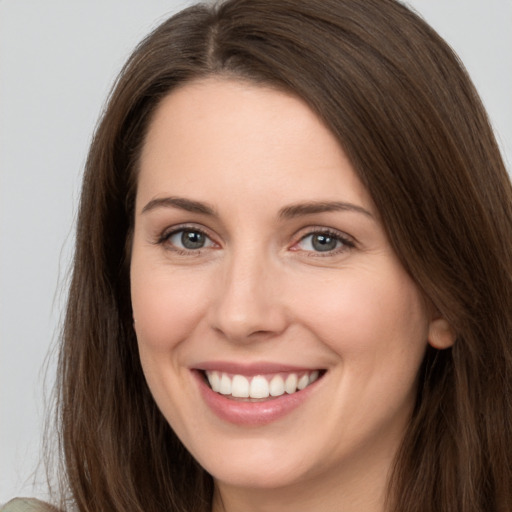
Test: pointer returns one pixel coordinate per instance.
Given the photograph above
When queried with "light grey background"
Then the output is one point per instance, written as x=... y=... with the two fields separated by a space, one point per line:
x=58 y=59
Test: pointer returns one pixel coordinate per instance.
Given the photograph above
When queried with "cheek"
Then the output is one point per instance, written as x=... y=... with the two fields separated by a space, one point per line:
x=166 y=306
x=377 y=327
x=368 y=315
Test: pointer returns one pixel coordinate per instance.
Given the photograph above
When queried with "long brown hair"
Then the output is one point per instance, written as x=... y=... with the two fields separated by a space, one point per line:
x=408 y=117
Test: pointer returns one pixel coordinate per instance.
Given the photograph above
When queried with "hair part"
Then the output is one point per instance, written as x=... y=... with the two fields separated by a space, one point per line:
x=409 y=119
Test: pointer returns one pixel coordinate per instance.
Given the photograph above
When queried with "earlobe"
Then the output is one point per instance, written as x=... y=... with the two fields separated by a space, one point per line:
x=441 y=334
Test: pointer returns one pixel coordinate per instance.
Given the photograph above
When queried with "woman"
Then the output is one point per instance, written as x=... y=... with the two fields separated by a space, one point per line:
x=292 y=280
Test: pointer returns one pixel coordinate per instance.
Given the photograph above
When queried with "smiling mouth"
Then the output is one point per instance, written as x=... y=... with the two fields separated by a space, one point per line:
x=260 y=387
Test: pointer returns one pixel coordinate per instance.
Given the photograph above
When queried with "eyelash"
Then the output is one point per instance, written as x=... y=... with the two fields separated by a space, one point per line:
x=165 y=237
x=347 y=243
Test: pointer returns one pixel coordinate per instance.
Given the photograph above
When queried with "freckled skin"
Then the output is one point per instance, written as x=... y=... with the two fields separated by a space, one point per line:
x=260 y=290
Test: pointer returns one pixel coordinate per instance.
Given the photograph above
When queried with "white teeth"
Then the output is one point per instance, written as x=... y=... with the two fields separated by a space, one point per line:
x=277 y=386
x=214 y=379
x=225 y=385
x=259 y=386
x=240 y=386
x=290 y=385
x=303 y=382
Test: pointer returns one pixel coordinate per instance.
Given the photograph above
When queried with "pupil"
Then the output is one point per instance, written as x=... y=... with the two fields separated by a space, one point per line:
x=192 y=239
x=324 y=243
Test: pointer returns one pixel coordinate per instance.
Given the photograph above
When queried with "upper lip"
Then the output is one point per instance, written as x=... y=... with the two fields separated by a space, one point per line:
x=251 y=369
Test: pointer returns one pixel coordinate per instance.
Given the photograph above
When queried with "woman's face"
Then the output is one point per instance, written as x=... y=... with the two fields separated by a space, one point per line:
x=259 y=263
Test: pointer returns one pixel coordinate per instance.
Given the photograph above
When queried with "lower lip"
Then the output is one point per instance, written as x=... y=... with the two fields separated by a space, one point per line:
x=252 y=413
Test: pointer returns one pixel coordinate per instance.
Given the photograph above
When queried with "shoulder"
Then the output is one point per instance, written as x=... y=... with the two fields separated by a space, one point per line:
x=27 y=505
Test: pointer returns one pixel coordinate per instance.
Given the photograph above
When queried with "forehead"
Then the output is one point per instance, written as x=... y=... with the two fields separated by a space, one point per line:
x=218 y=135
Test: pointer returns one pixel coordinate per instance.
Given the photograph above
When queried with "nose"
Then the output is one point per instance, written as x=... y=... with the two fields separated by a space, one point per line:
x=249 y=304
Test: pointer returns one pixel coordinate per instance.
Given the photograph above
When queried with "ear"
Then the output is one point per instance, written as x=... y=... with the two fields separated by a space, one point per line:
x=440 y=334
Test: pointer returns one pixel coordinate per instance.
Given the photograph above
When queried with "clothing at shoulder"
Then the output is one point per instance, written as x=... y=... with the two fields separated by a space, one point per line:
x=27 y=505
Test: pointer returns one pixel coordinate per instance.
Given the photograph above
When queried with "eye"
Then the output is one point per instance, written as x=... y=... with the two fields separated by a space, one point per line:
x=324 y=242
x=188 y=239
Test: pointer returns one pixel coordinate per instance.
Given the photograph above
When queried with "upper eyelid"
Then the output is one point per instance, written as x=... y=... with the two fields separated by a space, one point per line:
x=163 y=240
x=348 y=242
x=296 y=238
x=311 y=230
x=171 y=230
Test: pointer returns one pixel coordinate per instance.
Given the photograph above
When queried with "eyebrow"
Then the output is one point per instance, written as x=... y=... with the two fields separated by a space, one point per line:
x=288 y=212
x=181 y=203
x=310 y=208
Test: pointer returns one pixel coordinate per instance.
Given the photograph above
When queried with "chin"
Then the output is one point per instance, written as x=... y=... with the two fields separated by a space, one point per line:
x=261 y=467
x=249 y=477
